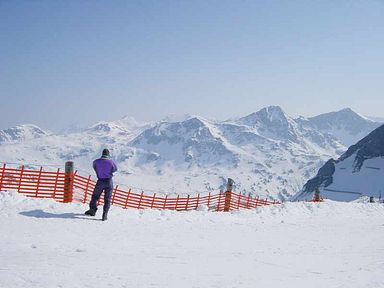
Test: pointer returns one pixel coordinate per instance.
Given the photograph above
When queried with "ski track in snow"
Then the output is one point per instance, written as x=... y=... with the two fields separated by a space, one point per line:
x=330 y=244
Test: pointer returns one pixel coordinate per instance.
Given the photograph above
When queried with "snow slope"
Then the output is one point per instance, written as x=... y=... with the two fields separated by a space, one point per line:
x=348 y=184
x=330 y=244
x=267 y=152
x=358 y=172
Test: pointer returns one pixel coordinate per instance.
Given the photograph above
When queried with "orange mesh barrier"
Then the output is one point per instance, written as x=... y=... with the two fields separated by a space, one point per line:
x=61 y=187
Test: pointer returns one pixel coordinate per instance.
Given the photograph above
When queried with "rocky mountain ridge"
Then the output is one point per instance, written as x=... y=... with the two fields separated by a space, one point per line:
x=267 y=152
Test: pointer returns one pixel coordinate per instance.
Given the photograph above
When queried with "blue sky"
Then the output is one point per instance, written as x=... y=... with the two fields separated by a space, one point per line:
x=102 y=60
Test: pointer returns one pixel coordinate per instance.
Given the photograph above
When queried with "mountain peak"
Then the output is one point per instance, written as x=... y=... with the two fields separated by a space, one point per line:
x=270 y=114
x=346 y=114
x=195 y=120
x=274 y=108
x=125 y=125
x=194 y=141
x=101 y=127
x=275 y=113
x=21 y=133
x=345 y=124
x=130 y=119
x=346 y=110
x=177 y=118
x=271 y=122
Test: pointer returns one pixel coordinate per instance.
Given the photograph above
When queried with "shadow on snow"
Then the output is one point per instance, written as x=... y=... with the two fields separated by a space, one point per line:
x=42 y=214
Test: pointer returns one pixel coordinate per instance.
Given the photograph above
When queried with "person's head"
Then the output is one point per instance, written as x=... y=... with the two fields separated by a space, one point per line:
x=105 y=154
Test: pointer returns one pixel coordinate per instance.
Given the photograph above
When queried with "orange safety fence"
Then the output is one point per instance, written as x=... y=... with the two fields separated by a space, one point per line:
x=65 y=187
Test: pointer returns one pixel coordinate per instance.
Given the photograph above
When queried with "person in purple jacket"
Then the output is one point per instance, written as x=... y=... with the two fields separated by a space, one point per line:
x=104 y=168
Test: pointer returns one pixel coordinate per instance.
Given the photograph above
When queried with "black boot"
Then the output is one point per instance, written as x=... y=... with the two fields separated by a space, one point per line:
x=90 y=212
x=105 y=218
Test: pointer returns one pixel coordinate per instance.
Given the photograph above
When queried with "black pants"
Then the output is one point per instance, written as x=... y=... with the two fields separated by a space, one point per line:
x=102 y=185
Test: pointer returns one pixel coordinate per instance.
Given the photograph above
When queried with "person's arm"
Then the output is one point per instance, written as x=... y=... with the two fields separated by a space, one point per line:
x=94 y=166
x=114 y=166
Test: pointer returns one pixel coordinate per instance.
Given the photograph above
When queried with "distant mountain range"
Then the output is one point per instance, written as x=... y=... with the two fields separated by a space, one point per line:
x=267 y=153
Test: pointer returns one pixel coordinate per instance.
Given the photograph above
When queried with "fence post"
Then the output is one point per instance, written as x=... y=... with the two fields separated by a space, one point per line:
x=153 y=200
x=68 y=181
x=218 y=203
x=126 y=200
x=38 y=182
x=209 y=200
x=2 y=176
x=165 y=201
x=228 y=194
x=186 y=205
x=21 y=179
x=177 y=202
x=141 y=198
x=249 y=199
x=114 y=194
x=198 y=201
x=56 y=179
x=86 y=189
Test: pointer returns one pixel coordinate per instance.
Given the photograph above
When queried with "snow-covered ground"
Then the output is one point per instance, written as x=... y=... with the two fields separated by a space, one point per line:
x=330 y=244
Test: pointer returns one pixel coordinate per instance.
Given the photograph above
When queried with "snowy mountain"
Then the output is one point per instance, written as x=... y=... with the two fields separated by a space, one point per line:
x=271 y=122
x=346 y=125
x=358 y=172
x=267 y=153
x=195 y=141
x=123 y=127
x=81 y=147
x=21 y=133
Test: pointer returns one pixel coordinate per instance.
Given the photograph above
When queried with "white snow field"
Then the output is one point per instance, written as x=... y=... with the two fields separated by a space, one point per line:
x=329 y=244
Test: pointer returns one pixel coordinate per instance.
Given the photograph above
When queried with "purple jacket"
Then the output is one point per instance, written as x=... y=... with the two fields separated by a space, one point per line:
x=104 y=168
